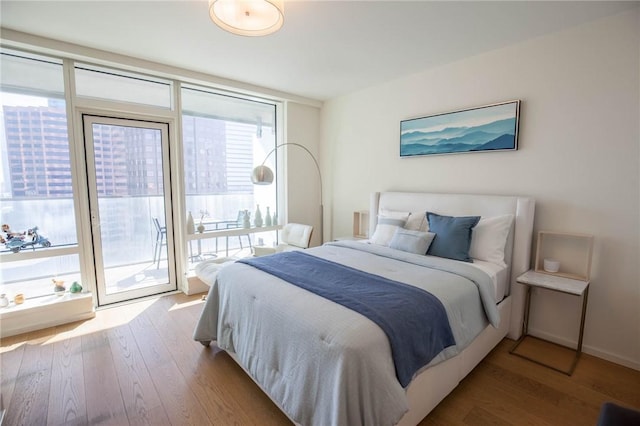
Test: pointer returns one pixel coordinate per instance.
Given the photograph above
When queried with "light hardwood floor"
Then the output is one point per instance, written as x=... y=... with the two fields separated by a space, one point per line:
x=137 y=364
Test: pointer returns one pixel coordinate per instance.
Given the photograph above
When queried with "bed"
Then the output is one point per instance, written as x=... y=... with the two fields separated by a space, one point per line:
x=324 y=363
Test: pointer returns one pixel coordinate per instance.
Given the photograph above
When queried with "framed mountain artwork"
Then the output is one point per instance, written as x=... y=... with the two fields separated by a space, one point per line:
x=486 y=128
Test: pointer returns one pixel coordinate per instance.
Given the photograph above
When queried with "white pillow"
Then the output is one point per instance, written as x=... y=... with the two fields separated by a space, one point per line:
x=415 y=221
x=394 y=214
x=411 y=241
x=489 y=238
x=385 y=230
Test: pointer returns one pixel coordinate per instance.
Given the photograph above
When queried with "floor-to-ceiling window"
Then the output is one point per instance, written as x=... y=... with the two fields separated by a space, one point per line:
x=53 y=156
x=39 y=239
x=224 y=138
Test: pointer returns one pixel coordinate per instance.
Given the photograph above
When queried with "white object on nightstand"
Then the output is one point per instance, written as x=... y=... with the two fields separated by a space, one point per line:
x=551 y=265
x=555 y=283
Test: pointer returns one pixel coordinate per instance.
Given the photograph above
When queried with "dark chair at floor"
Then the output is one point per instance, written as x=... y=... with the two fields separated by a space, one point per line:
x=238 y=224
x=161 y=240
x=615 y=415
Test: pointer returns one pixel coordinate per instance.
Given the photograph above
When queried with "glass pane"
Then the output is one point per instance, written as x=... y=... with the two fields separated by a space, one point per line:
x=35 y=191
x=128 y=165
x=214 y=105
x=33 y=277
x=224 y=138
x=103 y=83
x=22 y=74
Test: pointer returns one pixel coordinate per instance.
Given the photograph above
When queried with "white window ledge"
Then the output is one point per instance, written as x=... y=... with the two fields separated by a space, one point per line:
x=43 y=312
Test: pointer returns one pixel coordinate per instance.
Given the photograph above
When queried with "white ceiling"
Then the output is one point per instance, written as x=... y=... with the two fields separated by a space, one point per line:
x=325 y=49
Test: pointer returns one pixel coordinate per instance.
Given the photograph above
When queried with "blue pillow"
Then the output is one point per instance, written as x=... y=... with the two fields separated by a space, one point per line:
x=411 y=241
x=453 y=236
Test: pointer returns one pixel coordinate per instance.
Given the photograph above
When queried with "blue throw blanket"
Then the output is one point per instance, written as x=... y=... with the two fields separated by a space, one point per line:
x=414 y=320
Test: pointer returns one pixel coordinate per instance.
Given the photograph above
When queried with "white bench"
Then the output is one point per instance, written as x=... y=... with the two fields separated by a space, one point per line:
x=207 y=271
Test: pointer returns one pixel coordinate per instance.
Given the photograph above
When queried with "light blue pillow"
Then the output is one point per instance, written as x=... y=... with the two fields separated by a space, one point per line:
x=411 y=241
x=385 y=229
x=453 y=236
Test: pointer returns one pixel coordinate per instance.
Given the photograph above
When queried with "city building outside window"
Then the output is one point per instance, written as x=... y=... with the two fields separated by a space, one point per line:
x=36 y=188
x=224 y=138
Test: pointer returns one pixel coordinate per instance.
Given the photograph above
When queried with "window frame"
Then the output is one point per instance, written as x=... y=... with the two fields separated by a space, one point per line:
x=76 y=105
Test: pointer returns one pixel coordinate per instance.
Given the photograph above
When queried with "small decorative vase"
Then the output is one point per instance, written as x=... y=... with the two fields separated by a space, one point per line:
x=246 y=220
x=257 y=219
x=4 y=301
x=191 y=229
x=18 y=299
x=267 y=218
x=58 y=287
x=274 y=219
x=75 y=287
x=201 y=228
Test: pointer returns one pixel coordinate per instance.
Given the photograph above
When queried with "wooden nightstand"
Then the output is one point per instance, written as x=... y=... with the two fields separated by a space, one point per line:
x=554 y=283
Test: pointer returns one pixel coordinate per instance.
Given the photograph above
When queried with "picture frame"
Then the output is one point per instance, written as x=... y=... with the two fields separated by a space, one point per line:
x=485 y=128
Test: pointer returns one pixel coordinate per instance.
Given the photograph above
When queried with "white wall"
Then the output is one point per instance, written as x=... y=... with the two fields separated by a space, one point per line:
x=302 y=180
x=579 y=158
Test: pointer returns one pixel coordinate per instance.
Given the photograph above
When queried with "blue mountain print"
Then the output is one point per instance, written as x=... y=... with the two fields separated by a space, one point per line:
x=439 y=136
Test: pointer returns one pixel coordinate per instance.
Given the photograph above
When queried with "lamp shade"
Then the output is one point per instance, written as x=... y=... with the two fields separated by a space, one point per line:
x=248 y=17
x=262 y=175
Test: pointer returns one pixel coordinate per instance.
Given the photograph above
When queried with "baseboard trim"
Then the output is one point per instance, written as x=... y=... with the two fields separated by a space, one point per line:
x=44 y=312
x=591 y=350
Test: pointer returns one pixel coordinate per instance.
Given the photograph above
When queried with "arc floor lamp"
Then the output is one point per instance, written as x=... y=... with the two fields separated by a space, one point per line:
x=263 y=175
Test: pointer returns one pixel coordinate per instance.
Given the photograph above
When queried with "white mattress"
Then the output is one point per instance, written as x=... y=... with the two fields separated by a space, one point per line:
x=499 y=275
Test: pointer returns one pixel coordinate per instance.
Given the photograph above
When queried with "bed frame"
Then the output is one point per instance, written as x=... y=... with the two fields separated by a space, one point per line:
x=433 y=384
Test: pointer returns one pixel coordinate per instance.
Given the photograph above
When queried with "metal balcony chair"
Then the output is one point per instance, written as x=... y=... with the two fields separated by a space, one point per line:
x=237 y=224
x=161 y=240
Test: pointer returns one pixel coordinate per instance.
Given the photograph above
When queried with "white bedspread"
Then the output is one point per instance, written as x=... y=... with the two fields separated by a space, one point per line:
x=323 y=363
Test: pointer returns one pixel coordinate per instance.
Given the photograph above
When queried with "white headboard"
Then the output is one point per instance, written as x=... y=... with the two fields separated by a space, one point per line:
x=517 y=250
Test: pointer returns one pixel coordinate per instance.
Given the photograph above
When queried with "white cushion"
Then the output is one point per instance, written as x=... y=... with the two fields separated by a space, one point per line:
x=416 y=221
x=489 y=237
x=386 y=229
x=394 y=214
x=296 y=234
x=208 y=270
x=411 y=241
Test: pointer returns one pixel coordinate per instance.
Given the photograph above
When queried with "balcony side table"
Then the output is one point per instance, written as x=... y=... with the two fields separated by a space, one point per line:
x=554 y=283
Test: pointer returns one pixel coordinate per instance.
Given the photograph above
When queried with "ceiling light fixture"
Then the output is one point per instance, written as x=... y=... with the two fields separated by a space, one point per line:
x=248 y=17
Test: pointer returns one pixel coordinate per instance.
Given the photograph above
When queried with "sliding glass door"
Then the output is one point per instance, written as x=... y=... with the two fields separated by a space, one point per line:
x=130 y=207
